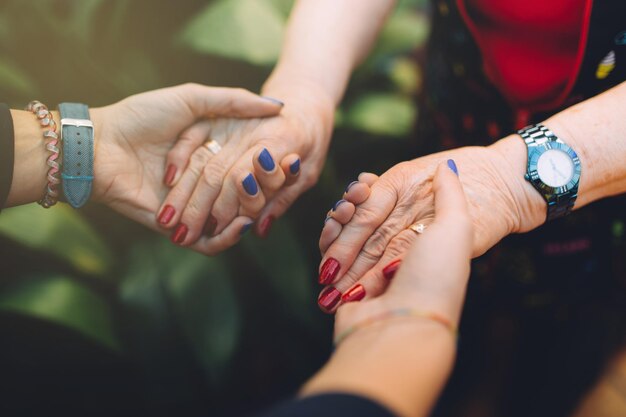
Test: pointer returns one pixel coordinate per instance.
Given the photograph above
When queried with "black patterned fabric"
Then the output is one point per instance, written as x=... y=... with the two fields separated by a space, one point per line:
x=546 y=309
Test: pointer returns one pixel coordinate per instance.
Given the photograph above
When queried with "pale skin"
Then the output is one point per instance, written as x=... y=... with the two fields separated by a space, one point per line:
x=310 y=78
x=403 y=363
x=501 y=201
x=132 y=140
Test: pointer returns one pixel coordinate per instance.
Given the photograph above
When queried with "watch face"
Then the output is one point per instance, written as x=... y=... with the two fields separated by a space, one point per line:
x=555 y=168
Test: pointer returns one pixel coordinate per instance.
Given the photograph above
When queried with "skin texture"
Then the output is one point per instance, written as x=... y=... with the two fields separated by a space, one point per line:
x=132 y=140
x=310 y=91
x=403 y=363
x=500 y=200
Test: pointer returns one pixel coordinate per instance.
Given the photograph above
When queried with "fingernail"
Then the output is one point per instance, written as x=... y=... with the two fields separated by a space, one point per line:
x=329 y=298
x=249 y=184
x=294 y=168
x=167 y=214
x=180 y=233
x=390 y=270
x=452 y=166
x=245 y=228
x=170 y=173
x=327 y=219
x=274 y=100
x=337 y=204
x=266 y=160
x=329 y=271
x=350 y=186
x=355 y=293
x=210 y=226
x=266 y=225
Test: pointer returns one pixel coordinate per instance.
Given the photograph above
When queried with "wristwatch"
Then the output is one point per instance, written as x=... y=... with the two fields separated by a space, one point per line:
x=553 y=168
x=77 y=137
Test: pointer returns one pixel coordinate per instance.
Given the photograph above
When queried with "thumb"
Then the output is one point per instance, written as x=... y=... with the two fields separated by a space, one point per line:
x=208 y=102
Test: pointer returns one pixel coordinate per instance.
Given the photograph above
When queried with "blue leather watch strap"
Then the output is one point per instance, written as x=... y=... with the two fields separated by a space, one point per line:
x=77 y=136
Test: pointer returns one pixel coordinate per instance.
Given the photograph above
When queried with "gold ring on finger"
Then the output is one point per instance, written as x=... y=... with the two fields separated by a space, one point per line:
x=212 y=146
x=418 y=228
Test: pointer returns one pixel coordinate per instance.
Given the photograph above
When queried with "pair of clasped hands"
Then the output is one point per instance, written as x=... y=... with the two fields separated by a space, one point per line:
x=152 y=165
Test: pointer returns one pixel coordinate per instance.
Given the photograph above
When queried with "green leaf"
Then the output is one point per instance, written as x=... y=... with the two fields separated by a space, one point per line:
x=205 y=304
x=292 y=280
x=248 y=30
x=382 y=114
x=15 y=79
x=168 y=286
x=61 y=300
x=60 y=231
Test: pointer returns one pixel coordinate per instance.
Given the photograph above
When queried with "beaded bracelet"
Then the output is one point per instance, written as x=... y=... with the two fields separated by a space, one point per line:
x=400 y=312
x=51 y=137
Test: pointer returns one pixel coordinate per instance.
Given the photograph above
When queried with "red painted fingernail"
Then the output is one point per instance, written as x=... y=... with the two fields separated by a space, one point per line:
x=329 y=298
x=329 y=271
x=266 y=225
x=170 y=173
x=167 y=214
x=210 y=226
x=355 y=293
x=180 y=233
x=390 y=270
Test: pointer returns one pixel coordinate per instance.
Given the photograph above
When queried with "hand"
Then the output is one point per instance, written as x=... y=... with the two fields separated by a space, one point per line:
x=403 y=362
x=134 y=136
x=368 y=235
x=436 y=266
x=263 y=166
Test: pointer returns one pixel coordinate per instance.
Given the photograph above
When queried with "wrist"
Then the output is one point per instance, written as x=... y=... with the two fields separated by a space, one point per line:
x=98 y=117
x=529 y=207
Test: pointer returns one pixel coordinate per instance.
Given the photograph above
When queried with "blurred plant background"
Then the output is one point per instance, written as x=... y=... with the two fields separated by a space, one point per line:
x=100 y=316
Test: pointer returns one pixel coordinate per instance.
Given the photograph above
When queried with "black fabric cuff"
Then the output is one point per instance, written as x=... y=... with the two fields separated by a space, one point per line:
x=329 y=405
x=7 y=153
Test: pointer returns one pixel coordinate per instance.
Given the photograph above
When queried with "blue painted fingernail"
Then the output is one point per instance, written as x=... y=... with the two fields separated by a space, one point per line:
x=274 y=100
x=250 y=185
x=295 y=167
x=350 y=186
x=338 y=203
x=266 y=160
x=245 y=228
x=327 y=219
x=452 y=166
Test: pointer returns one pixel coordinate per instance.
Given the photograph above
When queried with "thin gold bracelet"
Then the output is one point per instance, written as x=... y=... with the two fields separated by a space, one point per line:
x=400 y=312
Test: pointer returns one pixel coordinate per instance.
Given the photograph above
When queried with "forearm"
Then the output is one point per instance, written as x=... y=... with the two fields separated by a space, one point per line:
x=325 y=40
x=30 y=168
x=596 y=130
x=403 y=366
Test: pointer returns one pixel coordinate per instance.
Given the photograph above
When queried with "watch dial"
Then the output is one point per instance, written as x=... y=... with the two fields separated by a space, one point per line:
x=555 y=168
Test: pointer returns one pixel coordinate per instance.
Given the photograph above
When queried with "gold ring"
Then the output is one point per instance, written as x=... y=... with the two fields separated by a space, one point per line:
x=212 y=146
x=418 y=228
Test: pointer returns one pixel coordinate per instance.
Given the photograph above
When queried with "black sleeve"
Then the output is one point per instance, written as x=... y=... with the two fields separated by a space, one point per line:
x=329 y=405
x=7 y=152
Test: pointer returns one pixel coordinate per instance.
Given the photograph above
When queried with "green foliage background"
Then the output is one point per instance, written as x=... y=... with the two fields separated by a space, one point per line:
x=225 y=334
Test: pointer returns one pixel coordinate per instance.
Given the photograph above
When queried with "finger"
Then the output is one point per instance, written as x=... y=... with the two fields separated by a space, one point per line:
x=368 y=178
x=242 y=197
x=357 y=192
x=178 y=157
x=228 y=237
x=269 y=175
x=290 y=165
x=332 y=229
x=366 y=220
x=342 y=211
x=452 y=234
x=207 y=102
x=177 y=199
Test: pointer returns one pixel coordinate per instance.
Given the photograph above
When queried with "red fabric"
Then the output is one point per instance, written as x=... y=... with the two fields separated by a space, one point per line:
x=531 y=49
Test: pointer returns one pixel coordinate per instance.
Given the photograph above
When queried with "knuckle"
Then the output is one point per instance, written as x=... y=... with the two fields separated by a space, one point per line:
x=211 y=178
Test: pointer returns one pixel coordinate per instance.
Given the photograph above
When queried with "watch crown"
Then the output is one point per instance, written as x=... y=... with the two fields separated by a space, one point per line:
x=527 y=177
